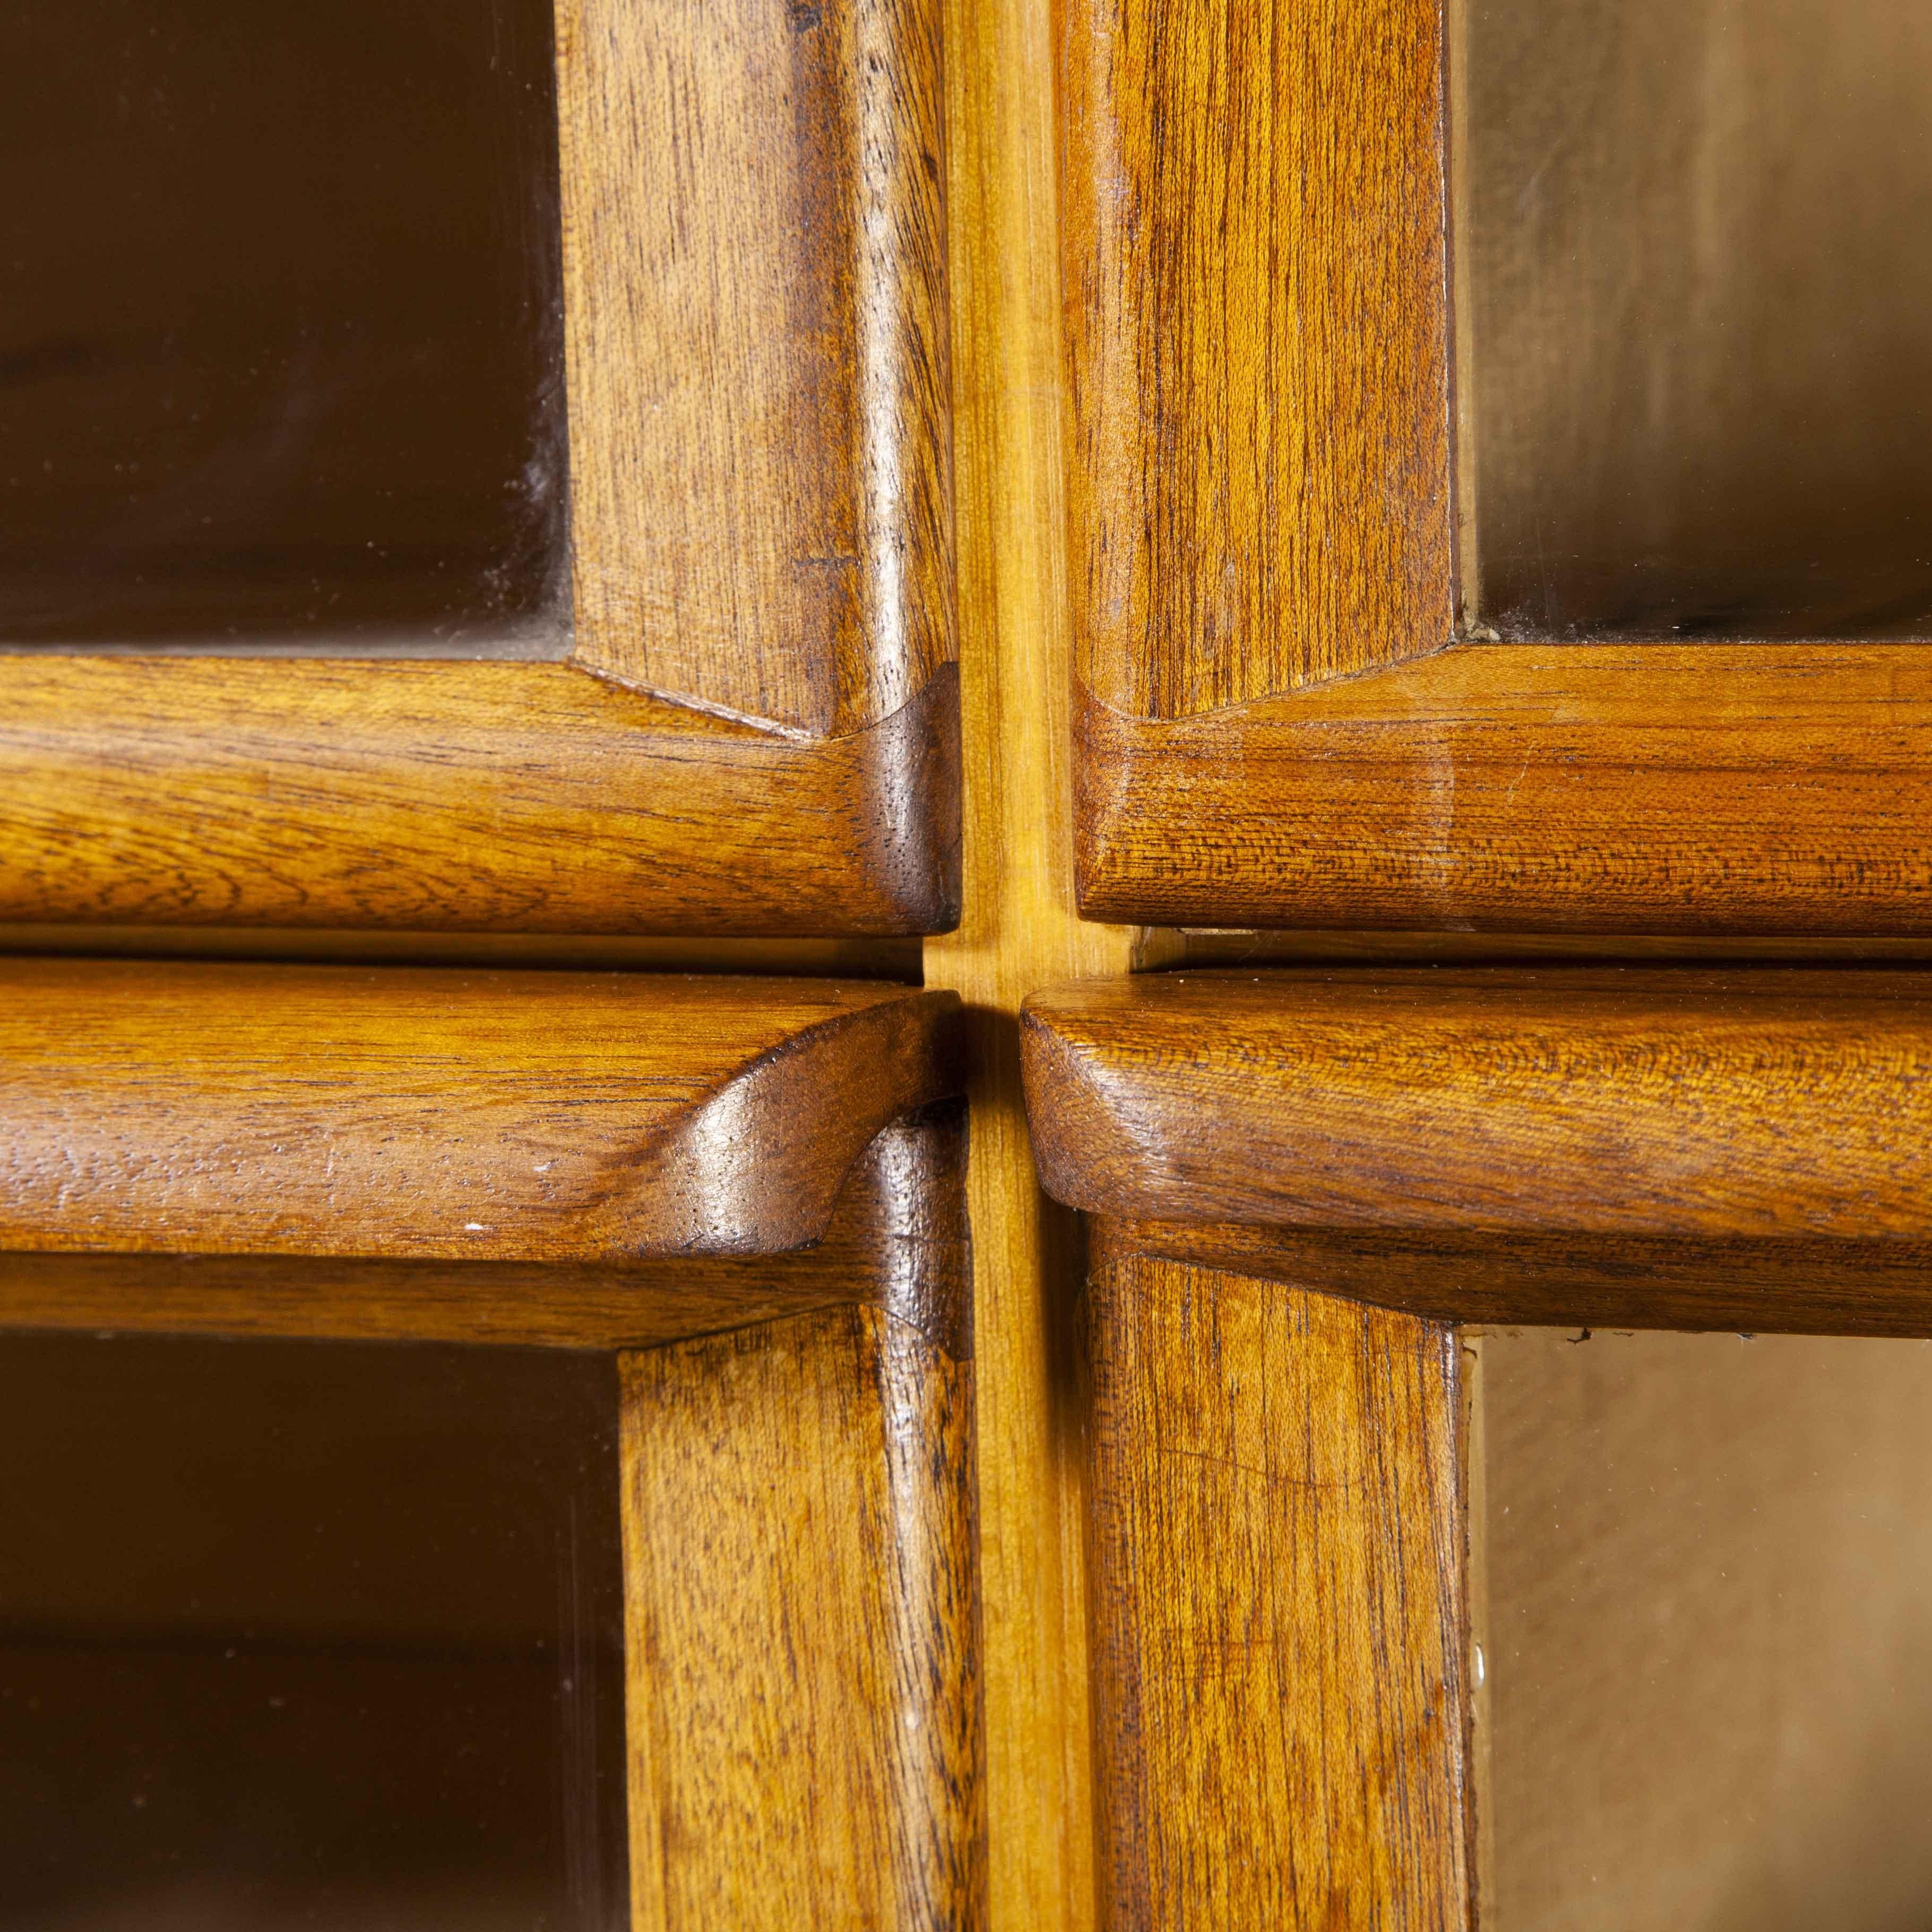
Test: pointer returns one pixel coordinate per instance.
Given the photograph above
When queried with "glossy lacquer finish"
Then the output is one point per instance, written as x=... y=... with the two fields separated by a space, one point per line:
x=209 y=1109
x=1653 y=1147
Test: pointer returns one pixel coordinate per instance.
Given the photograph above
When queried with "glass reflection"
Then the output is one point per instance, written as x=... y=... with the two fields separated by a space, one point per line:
x=280 y=347
x=308 y=1634
x=1699 y=355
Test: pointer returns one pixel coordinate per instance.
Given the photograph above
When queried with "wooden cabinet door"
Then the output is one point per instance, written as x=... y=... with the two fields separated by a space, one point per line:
x=680 y=1262
x=1495 y=500
x=1296 y=710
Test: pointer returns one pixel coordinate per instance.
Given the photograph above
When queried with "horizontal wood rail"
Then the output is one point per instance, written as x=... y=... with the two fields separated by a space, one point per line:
x=436 y=796
x=896 y=1240
x=394 y=1114
x=1775 y=788
x=1652 y=1146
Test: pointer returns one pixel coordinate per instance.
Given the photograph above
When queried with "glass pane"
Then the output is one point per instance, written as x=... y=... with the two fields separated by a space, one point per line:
x=1699 y=323
x=308 y=1634
x=280 y=346
x=1707 y=1643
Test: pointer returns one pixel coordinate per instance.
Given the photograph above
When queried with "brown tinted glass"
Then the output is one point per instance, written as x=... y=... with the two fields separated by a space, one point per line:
x=281 y=342
x=1697 y=349
x=312 y=1634
x=1707 y=1645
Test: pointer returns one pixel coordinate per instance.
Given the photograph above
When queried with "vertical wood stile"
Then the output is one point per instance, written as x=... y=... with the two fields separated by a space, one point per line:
x=1019 y=930
x=755 y=298
x=802 y=1629
x=1277 y=1585
x=1258 y=328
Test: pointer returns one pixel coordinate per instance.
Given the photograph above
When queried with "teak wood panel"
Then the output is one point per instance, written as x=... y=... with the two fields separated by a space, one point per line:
x=473 y=797
x=1782 y=1103
x=1282 y=724
x=802 y=1634
x=756 y=730
x=1279 y=1626
x=1778 y=789
x=432 y=1114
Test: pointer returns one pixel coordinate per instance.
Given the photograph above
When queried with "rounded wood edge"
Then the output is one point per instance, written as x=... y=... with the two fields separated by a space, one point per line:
x=756 y=1167
x=454 y=797
x=1726 y=791
x=1768 y=1105
x=897 y=1240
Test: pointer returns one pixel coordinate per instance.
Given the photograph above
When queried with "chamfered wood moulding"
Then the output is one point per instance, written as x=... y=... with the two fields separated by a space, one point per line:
x=1280 y=724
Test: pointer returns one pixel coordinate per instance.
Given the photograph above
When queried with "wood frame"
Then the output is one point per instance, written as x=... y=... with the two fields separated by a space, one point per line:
x=751 y=1193
x=755 y=730
x=1283 y=722
x=1304 y=1181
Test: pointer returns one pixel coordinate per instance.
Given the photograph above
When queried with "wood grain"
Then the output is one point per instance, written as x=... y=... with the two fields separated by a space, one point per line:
x=1279 y=1625
x=1781 y=789
x=1258 y=332
x=492 y=797
x=1689 y=1104
x=802 y=1629
x=754 y=271
x=1739 y=1284
x=897 y=1238
x=532 y=1117
x=1018 y=929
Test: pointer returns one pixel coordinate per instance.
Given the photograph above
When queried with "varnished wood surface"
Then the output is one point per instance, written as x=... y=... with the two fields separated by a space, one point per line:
x=1278 y=1624
x=754 y=269
x=1018 y=929
x=1257 y=323
x=1657 y=789
x=528 y=798
x=897 y=1238
x=802 y=1630
x=1693 y=1104
x=533 y=1117
x=1794 y=1286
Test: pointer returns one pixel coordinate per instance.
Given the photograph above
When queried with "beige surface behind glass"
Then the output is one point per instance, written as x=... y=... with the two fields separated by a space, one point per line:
x=1700 y=289
x=1708 y=1639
